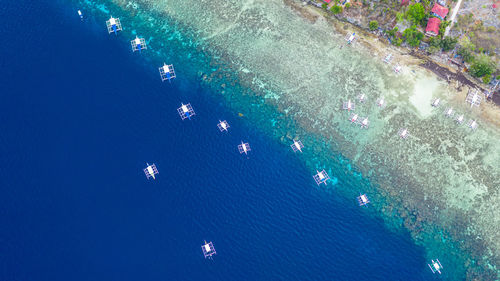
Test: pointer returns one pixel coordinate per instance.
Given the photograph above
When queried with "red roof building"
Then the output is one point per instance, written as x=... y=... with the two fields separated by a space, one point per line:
x=439 y=11
x=432 y=28
x=405 y=2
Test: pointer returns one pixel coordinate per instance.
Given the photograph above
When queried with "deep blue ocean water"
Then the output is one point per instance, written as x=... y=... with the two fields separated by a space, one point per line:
x=80 y=115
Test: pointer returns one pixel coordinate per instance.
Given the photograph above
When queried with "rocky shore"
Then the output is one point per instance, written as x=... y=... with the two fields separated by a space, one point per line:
x=458 y=81
x=447 y=73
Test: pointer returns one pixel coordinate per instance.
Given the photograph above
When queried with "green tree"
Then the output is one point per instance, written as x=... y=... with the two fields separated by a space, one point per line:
x=448 y=43
x=435 y=42
x=336 y=9
x=482 y=65
x=373 y=25
x=467 y=51
x=413 y=36
x=416 y=13
x=392 y=32
x=399 y=17
x=442 y=27
x=466 y=54
x=347 y=6
x=487 y=79
x=433 y=49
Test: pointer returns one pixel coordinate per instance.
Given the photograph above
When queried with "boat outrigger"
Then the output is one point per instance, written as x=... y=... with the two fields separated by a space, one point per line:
x=436 y=102
x=473 y=98
x=114 y=25
x=397 y=68
x=472 y=124
x=362 y=98
x=403 y=133
x=321 y=177
x=435 y=266
x=208 y=249
x=167 y=72
x=151 y=171
x=244 y=148
x=449 y=112
x=354 y=118
x=138 y=44
x=297 y=146
x=381 y=102
x=223 y=125
x=348 y=105
x=388 y=58
x=363 y=200
x=186 y=111
x=364 y=123
x=350 y=38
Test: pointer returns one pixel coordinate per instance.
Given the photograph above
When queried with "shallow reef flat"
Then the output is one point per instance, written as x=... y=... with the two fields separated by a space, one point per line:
x=441 y=182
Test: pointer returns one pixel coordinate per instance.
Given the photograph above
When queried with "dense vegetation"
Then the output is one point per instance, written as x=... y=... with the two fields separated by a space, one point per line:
x=373 y=25
x=336 y=9
x=416 y=13
x=413 y=36
x=482 y=66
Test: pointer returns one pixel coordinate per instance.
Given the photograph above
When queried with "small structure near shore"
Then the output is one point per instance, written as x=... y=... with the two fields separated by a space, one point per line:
x=403 y=133
x=297 y=146
x=363 y=200
x=439 y=11
x=364 y=123
x=223 y=125
x=208 y=249
x=435 y=266
x=381 y=102
x=348 y=105
x=151 y=171
x=472 y=124
x=350 y=38
x=388 y=58
x=449 y=112
x=321 y=177
x=459 y=119
x=473 y=98
x=138 y=44
x=354 y=118
x=436 y=102
x=397 y=68
x=362 y=98
x=432 y=28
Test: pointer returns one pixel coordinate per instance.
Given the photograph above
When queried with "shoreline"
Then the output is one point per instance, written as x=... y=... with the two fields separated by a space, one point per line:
x=444 y=72
x=436 y=67
x=457 y=85
x=325 y=123
x=457 y=81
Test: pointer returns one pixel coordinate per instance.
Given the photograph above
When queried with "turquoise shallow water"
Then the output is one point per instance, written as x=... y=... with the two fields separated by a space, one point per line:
x=76 y=204
x=267 y=215
x=431 y=184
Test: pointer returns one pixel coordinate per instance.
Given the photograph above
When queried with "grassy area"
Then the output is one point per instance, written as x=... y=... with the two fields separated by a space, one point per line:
x=478 y=44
